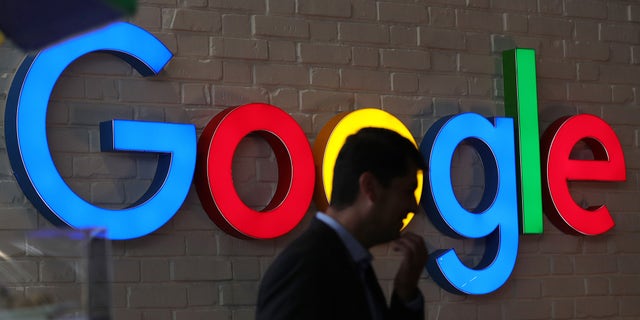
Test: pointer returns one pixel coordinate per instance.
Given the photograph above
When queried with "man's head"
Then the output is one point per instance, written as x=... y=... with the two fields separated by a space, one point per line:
x=383 y=153
x=374 y=183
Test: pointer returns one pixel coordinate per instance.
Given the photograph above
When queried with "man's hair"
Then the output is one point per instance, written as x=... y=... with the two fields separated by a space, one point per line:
x=382 y=152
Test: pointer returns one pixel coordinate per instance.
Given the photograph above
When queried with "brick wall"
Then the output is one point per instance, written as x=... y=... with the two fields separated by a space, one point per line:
x=419 y=60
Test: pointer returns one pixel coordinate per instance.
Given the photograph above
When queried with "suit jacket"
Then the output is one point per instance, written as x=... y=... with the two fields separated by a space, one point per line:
x=315 y=278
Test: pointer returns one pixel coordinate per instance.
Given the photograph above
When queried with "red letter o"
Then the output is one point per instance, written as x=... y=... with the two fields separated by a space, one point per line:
x=296 y=174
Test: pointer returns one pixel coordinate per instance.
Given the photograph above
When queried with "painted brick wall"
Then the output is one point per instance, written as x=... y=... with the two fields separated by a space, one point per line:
x=419 y=60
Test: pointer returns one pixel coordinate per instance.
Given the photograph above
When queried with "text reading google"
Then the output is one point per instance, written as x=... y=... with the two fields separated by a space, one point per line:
x=517 y=179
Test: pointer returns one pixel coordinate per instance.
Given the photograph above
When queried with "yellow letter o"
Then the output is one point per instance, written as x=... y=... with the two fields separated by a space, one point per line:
x=333 y=136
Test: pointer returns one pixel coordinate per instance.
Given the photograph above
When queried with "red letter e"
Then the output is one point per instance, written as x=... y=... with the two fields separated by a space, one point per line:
x=559 y=169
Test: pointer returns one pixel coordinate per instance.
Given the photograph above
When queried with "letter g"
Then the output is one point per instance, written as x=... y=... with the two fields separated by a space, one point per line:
x=35 y=171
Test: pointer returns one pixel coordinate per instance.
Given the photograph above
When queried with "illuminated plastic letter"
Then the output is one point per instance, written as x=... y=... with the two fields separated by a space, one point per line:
x=495 y=218
x=214 y=180
x=25 y=130
x=608 y=165
x=331 y=139
x=521 y=103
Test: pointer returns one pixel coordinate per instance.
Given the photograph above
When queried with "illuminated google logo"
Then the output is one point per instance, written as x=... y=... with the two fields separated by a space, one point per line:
x=515 y=185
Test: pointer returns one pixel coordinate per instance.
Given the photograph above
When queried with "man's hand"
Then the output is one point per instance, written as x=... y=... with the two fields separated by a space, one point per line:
x=414 y=258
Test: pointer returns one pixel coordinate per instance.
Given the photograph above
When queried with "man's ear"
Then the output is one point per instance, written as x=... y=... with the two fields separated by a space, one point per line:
x=369 y=186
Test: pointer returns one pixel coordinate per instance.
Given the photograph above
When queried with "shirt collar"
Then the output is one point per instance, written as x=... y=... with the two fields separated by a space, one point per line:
x=356 y=250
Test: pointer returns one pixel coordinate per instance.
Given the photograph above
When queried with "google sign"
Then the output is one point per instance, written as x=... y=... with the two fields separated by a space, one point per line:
x=518 y=180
